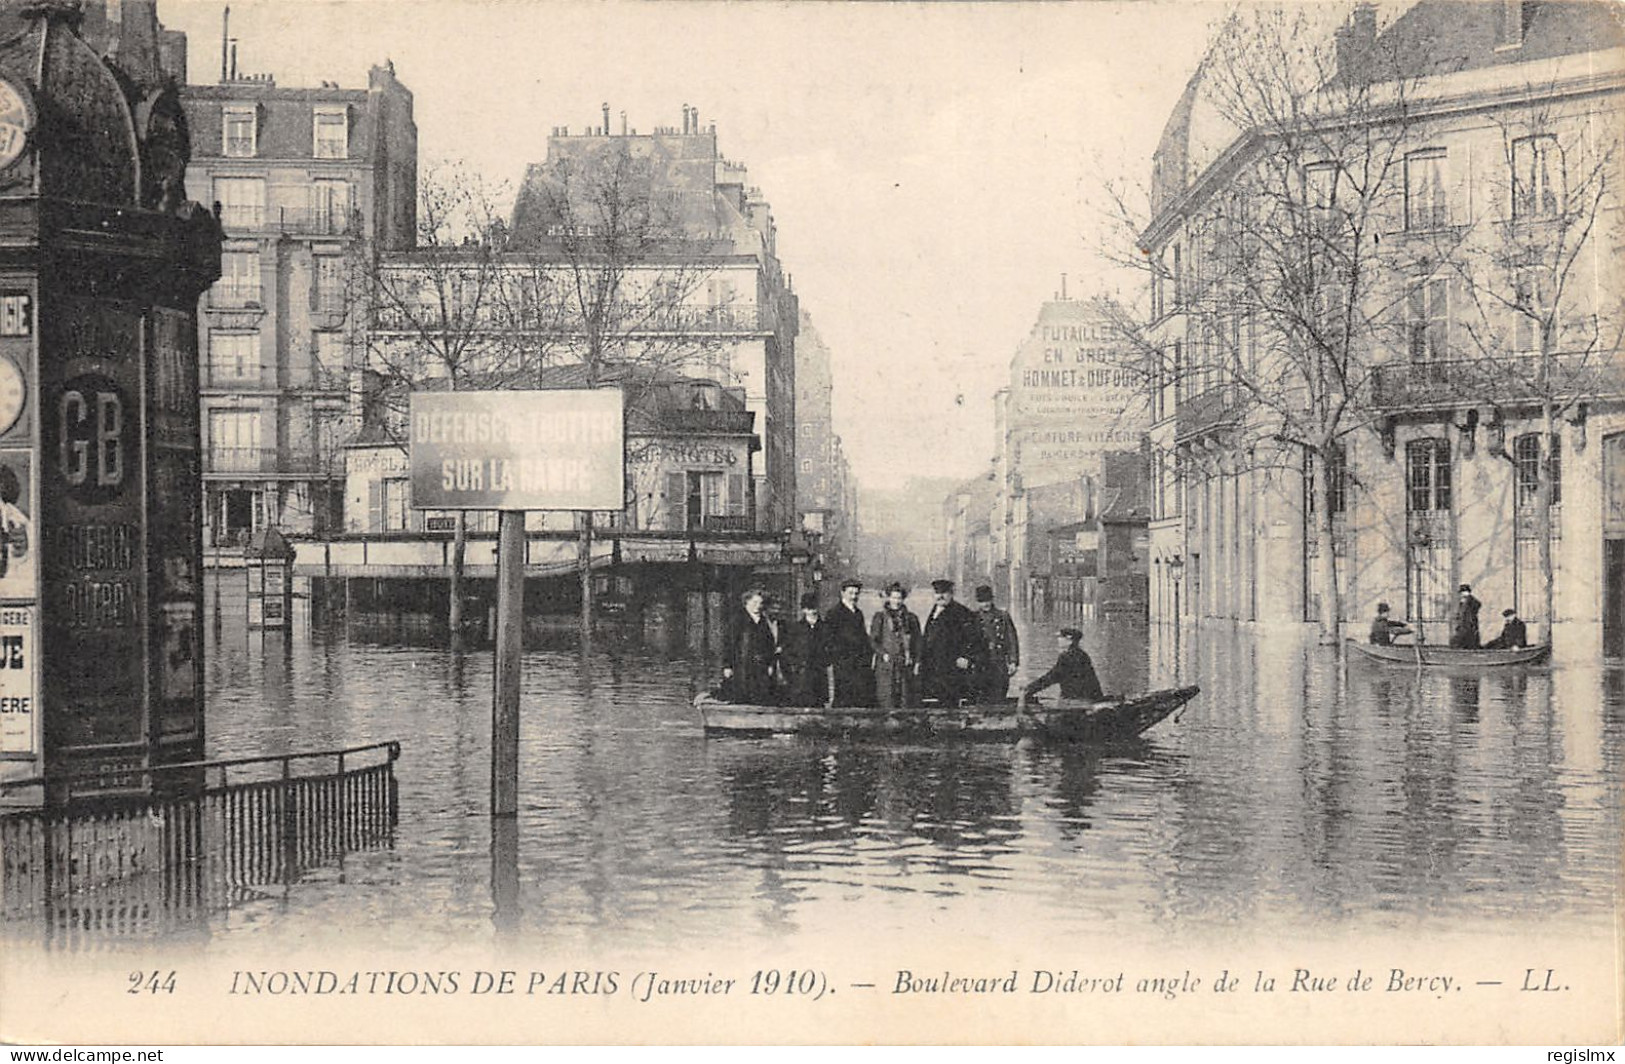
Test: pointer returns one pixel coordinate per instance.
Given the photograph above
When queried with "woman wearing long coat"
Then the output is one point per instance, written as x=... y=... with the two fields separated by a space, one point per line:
x=895 y=633
x=748 y=655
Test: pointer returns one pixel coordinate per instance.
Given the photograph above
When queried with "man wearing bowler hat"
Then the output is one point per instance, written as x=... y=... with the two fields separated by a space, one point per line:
x=1513 y=633
x=806 y=656
x=952 y=654
x=1003 y=647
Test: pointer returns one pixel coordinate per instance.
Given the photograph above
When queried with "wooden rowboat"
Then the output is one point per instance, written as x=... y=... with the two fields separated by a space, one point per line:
x=1436 y=655
x=1070 y=721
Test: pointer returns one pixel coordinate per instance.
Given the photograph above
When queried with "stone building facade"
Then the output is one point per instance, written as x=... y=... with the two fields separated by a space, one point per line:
x=303 y=178
x=1470 y=339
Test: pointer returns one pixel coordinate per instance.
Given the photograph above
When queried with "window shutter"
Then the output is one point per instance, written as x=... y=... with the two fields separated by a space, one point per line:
x=676 y=502
x=375 y=506
x=736 y=495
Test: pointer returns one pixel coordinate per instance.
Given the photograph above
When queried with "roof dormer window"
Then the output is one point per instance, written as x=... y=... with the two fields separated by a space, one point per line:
x=332 y=132
x=239 y=126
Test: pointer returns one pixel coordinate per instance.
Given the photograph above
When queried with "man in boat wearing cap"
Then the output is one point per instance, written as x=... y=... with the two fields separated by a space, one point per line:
x=1072 y=670
x=1384 y=630
x=851 y=655
x=1513 y=633
x=1465 y=635
x=952 y=653
x=1003 y=647
x=806 y=656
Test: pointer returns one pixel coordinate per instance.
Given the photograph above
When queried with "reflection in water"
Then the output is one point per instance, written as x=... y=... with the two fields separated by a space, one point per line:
x=1295 y=789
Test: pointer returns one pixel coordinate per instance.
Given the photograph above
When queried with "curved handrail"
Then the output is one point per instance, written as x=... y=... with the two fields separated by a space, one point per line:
x=393 y=747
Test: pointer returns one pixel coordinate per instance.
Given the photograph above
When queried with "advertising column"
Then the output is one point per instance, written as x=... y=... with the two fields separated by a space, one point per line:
x=93 y=501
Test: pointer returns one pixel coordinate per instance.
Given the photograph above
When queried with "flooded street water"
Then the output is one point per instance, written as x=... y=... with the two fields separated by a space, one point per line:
x=1291 y=792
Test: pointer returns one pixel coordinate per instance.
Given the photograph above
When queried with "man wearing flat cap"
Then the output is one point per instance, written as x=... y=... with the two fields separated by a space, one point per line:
x=806 y=656
x=952 y=655
x=1513 y=633
x=1003 y=647
x=1072 y=670
x=851 y=655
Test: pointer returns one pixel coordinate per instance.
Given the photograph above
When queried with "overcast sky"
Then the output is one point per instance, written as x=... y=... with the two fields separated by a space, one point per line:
x=932 y=168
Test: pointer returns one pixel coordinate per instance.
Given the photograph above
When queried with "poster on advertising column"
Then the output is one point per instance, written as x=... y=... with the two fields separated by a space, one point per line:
x=91 y=493
x=18 y=708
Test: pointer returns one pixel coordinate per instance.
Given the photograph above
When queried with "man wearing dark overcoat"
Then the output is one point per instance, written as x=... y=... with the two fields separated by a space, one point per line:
x=1465 y=634
x=851 y=656
x=806 y=656
x=748 y=655
x=1003 y=646
x=952 y=653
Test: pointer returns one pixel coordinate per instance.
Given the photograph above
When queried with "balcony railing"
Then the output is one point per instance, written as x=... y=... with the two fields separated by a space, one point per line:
x=622 y=319
x=1401 y=384
x=1205 y=412
x=707 y=422
x=243 y=376
x=728 y=523
x=309 y=221
x=232 y=294
x=268 y=460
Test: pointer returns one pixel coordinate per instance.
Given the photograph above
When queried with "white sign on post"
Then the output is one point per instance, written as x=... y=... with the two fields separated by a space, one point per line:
x=533 y=450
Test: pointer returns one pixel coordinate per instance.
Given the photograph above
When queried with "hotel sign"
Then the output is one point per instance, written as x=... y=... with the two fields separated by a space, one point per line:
x=534 y=450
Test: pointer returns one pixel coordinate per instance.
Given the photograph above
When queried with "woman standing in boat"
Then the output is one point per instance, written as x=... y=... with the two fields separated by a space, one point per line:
x=895 y=633
x=747 y=659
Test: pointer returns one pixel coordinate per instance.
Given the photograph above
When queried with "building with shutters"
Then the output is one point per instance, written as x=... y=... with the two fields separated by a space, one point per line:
x=300 y=178
x=1489 y=342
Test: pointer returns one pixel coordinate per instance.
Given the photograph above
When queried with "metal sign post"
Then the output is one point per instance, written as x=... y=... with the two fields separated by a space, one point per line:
x=515 y=451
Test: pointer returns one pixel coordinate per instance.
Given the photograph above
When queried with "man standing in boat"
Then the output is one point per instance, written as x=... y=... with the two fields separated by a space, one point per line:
x=1072 y=670
x=1465 y=634
x=895 y=633
x=851 y=655
x=747 y=657
x=1513 y=633
x=1003 y=646
x=1384 y=630
x=952 y=652
x=806 y=656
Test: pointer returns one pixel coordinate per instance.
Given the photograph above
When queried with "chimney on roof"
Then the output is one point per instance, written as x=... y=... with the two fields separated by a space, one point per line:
x=1356 y=43
x=685 y=119
x=225 y=42
x=1063 y=286
x=696 y=113
x=234 y=59
x=623 y=123
x=606 y=118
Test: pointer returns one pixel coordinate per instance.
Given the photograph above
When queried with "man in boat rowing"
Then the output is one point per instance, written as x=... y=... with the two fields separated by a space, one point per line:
x=1384 y=630
x=1072 y=670
x=1465 y=634
x=1513 y=633
x=952 y=652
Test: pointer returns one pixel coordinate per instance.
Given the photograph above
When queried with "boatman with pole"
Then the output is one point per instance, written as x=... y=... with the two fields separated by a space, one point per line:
x=1072 y=670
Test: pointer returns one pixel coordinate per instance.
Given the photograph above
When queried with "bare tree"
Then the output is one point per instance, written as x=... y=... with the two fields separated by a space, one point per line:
x=612 y=259
x=1543 y=320
x=1283 y=273
x=434 y=316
